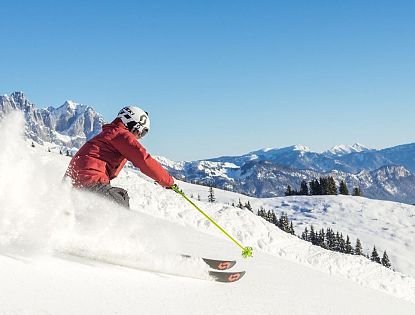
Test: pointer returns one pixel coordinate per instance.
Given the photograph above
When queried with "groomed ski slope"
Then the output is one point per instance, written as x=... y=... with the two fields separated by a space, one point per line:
x=62 y=251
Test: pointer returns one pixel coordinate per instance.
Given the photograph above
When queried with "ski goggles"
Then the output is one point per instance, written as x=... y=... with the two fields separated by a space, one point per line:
x=143 y=132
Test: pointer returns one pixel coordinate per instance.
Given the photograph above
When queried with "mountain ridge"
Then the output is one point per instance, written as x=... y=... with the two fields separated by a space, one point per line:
x=381 y=174
x=69 y=125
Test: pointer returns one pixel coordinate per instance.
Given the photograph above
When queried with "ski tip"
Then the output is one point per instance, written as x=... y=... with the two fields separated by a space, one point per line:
x=216 y=264
x=226 y=277
x=220 y=264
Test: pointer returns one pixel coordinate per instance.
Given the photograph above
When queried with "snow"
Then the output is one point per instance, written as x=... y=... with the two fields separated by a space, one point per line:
x=69 y=252
x=165 y=161
x=300 y=147
x=344 y=149
x=388 y=225
x=71 y=104
x=61 y=137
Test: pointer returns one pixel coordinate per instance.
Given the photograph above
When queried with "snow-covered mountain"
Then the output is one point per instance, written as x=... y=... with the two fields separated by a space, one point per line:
x=66 y=252
x=69 y=125
x=344 y=149
x=261 y=173
x=338 y=158
x=266 y=179
x=382 y=174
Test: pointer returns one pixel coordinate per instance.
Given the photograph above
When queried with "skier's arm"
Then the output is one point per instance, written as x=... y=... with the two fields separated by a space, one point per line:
x=119 y=168
x=133 y=151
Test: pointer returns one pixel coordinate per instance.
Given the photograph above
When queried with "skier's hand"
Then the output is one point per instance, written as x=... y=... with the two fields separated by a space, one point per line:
x=173 y=186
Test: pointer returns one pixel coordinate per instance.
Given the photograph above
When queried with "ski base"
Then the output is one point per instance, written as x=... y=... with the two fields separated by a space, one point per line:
x=226 y=277
x=216 y=263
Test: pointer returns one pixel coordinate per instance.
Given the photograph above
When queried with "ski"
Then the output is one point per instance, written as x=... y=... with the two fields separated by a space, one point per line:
x=226 y=277
x=216 y=263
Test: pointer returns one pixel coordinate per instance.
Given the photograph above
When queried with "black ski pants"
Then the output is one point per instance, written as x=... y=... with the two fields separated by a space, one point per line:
x=116 y=194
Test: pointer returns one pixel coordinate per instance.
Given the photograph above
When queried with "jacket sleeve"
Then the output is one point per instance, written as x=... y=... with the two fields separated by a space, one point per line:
x=134 y=152
x=119 y=168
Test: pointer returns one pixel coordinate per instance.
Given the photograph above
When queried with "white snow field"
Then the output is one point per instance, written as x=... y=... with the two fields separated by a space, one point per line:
x=388 y=225
x=69 y=252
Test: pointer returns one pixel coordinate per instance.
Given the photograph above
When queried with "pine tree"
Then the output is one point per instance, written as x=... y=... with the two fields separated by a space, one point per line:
x=315 y=188
x=342 y=244
x=348 y=246
x=289 y=191
x=274 y=219
x=357 y=192
x=312 y=186
x=240 y=205
x=323 y=186
x=67 y=153
x=291 y=229
x=321 y=239
x=358 y=248
x=33 y=144
x=261 y=212
x=319 y=188
x=375 y=256
x=283 y=223
x=304 y=191
x=269 y=216
x=49 y=150
x=385 y=260
x=330 y=239
x=331 y=186
x=60 y=152
x=248 y=206
x=312 y=235
x=343 y=188
x=198 y=198
x=305 y=235
x=211 y=196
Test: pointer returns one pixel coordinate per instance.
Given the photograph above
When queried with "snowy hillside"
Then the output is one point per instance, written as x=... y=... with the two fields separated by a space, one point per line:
x=62 y=251
x=388 y=225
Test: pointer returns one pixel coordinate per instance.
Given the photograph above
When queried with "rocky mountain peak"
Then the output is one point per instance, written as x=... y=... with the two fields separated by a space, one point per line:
x=69 y=125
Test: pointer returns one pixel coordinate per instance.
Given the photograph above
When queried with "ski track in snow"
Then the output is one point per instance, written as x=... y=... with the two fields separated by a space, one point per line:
x=41 y=217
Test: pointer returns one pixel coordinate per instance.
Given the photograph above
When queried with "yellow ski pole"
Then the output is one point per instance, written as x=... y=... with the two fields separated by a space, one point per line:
x=246 y=251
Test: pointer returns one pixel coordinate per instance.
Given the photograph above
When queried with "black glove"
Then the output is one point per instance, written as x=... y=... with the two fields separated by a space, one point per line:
x=174 y=187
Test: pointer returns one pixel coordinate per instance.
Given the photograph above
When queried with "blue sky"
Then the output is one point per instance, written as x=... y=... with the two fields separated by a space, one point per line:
x=223 y=77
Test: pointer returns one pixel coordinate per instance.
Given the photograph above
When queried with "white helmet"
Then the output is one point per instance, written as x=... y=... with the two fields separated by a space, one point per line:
x=135 y=119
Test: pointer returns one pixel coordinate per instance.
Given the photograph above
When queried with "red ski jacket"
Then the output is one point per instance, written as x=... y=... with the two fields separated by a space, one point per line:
x=101 y=159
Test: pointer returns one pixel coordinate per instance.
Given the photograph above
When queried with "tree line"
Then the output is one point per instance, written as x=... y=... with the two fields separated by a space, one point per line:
x=283 y=223
x=335 y=241
x=322 y=186
x=327 y=239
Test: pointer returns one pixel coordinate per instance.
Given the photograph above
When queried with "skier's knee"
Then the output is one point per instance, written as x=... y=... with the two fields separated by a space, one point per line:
x=120 y=196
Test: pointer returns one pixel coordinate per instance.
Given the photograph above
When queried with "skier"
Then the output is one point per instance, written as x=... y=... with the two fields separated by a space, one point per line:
x=101 y=159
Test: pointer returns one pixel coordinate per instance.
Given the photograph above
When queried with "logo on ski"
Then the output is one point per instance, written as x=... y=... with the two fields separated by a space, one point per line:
x=226 y=277
x=234 y=277
x=224 y=265
x=215 y=263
